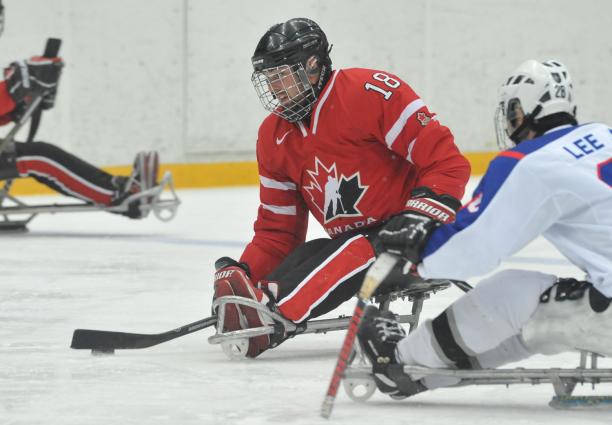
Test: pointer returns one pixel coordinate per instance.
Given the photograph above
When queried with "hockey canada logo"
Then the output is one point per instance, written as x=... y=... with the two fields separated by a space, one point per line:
x=333 y=195
x=423 y=118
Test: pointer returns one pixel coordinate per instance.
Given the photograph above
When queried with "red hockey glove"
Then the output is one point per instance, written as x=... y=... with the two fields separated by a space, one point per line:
x=425 y=202
x=232 y=279
x=28 y=78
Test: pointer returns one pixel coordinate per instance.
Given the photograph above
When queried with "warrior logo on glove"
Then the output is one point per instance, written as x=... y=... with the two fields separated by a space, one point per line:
x=431 y=208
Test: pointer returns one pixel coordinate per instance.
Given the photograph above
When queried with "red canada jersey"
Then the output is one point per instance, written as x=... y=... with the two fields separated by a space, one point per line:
x=370 y=141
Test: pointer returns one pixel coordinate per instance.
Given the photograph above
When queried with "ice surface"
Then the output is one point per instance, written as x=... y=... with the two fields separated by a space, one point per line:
x=100 y=271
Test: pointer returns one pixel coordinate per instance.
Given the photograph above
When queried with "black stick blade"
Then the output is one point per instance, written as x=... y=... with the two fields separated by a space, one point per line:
x=104 y=340
x=90 y=339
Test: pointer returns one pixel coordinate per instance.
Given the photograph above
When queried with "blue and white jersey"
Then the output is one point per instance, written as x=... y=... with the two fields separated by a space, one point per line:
x=558 y=185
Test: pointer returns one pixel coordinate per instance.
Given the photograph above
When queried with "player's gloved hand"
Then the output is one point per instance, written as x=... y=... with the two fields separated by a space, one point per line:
x=225 y=262
x=25 y=79
x=407 y=233
x=232 y=279
x=424 y=201
x=269 y=287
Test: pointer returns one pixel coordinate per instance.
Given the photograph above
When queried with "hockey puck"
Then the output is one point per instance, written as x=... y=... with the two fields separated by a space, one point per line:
x=102 y=351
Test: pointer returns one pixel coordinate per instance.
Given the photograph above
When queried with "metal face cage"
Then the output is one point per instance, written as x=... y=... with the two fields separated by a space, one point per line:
x=503 y=139
x=285 y=91
x=507 y=121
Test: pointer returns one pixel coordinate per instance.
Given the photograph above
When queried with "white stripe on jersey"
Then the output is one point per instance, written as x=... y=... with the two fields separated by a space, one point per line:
x=410 y=147
x=275 y=184
x=302 y=129
x=399 y=125
x=322 y=101
x=279 y=209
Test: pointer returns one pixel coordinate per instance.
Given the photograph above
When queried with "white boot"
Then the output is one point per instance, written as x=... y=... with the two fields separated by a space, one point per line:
x=572 y=315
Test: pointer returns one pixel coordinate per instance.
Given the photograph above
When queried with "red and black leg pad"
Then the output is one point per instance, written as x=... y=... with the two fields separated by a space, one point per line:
x=234 y=281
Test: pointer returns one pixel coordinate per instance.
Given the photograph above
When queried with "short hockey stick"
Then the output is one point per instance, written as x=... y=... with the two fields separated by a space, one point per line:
x=375 y=275
x=51 y=50
x=108 y=341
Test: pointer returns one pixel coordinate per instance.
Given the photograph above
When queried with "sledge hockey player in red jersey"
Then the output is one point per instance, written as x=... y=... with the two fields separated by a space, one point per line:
x=61 y=171
x=51 y=165
x=556 y=181
x=353 y=147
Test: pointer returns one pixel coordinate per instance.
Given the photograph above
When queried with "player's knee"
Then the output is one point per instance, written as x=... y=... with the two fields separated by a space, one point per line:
x=505 y=301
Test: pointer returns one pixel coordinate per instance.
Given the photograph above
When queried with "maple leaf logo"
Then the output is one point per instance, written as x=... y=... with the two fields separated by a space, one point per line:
x=423 y=118
x=334 y=197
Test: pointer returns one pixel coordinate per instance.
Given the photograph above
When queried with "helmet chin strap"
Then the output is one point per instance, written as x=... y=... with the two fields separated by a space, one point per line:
x=529 y=121
x=324 y=76
x=325 y=73
x=541 y=125
x=548 y=122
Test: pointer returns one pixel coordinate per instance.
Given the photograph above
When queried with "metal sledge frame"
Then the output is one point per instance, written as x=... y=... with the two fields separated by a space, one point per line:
x=359 y=383
x=234 y=343
x=164 y=209
x=7 y=224
x=33 y=112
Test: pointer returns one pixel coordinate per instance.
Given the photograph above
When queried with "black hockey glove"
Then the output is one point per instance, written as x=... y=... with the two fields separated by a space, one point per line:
x=224 y=262
x=407 y=233
x=25 y=79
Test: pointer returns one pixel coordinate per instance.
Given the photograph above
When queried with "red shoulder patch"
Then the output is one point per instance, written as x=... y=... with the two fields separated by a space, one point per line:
x=423 y=118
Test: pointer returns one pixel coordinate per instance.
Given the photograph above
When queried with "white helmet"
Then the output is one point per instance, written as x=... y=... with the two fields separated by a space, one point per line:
x=533 y=91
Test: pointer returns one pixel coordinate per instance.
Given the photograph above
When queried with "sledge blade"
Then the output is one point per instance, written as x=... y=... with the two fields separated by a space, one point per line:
x=574 y=402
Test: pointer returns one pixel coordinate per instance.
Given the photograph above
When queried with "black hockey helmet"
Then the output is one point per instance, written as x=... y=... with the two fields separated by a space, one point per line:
x=283 y=68
x=289 y=43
